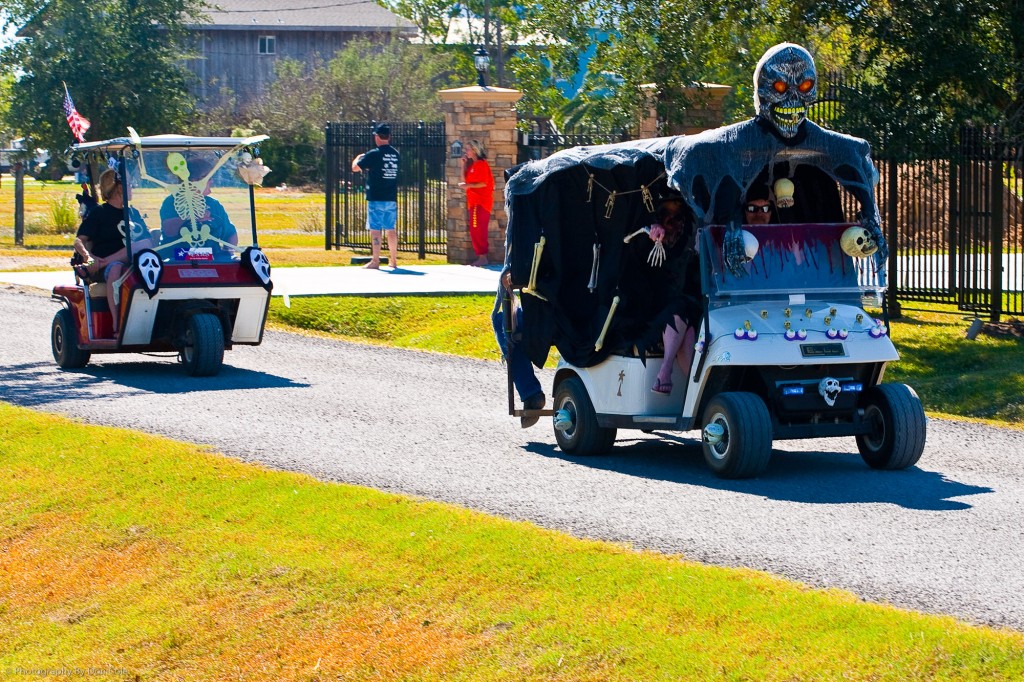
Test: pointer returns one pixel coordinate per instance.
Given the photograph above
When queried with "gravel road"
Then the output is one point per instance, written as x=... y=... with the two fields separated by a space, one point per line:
x=944 y=537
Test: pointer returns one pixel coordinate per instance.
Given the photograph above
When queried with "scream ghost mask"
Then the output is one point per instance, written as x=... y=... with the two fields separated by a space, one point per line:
x=785 y=85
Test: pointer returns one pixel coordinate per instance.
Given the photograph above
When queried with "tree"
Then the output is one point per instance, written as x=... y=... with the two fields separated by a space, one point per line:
x=930 y=65
x=121 y=60
x=367 y=80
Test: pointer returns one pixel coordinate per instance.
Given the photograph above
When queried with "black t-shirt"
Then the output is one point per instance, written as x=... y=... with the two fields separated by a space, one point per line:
x=380 y=166
x=101 y=227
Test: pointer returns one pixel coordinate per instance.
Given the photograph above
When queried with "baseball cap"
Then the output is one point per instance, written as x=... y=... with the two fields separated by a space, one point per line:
x=383 y=129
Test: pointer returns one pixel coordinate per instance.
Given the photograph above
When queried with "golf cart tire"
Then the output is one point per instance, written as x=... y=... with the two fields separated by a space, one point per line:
x=585 y=437
x=203 y=350
x=64 y=342
x=746 y=444
x=899 y=427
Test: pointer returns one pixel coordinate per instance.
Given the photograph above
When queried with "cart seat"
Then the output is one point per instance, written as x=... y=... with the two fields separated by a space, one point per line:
x=98 y=290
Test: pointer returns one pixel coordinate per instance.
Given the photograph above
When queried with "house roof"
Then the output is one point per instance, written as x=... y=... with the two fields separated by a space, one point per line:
x=303 y=15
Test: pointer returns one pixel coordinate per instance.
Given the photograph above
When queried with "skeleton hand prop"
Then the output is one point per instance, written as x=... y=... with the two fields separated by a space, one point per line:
x=733 y=253
x=657 y=255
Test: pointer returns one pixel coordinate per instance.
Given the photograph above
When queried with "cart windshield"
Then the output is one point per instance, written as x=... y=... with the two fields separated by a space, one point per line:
x=193 y=201
x=790 y=260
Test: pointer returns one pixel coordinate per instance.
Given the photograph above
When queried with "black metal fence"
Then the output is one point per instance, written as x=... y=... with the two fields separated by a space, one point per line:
x=540 y=139
x=953 y=210
x=422 y=197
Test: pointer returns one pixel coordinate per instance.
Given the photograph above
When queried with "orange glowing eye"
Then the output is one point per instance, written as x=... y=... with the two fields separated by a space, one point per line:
x=780 y=86
x=807 y=85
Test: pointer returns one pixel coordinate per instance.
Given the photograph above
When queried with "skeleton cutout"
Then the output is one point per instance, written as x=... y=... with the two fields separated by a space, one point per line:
x=149 y=267
x=785 y=85
x=829 y=389
x=189 y=196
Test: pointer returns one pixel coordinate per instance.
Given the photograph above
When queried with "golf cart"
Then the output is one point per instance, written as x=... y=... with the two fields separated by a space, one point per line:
x=196 y=282
x=785 y=348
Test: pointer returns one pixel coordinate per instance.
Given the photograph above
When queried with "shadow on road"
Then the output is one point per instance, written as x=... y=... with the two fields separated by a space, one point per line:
x=39 y=384
x=812 y=477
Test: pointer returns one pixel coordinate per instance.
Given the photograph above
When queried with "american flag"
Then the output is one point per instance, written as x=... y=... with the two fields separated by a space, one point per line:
x=79 y=124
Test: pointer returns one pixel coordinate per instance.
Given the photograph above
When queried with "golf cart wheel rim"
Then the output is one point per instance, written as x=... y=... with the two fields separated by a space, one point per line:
x=188 y=350
x=875 y=438
x=58 y=339
x=570 y=406
x=720 y=449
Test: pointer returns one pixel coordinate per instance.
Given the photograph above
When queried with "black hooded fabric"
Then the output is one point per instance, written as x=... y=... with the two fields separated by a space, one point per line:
x=588 y=197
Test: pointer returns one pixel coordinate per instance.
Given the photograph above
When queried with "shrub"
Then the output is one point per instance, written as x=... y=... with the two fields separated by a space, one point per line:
x=63 y=214
x=311 y=219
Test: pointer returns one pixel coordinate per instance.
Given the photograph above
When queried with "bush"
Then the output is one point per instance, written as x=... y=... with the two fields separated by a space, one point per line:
x=63 y=214
x=311 y=219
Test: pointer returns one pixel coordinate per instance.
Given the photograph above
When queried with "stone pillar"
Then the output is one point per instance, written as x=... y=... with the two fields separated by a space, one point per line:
x=486 y=114
x=648 y=124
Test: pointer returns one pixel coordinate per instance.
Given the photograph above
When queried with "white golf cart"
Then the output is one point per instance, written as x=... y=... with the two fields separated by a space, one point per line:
x=197 y=282
x=786 y=351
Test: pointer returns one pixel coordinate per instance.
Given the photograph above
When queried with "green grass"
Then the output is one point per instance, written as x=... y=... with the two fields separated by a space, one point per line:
x=165 y=561
x=981 y=379
x=458 y=325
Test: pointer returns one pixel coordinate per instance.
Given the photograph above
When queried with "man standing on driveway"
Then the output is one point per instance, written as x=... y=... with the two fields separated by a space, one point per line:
x=381 y=166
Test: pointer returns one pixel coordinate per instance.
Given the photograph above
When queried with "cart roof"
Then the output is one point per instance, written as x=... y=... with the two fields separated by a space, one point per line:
x=169 y=142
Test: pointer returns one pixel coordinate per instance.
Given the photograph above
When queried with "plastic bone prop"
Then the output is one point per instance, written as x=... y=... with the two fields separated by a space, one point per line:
x=594 y=268
x=829 y=389
x=785 y=85
x=607 y=323
x=538 y=250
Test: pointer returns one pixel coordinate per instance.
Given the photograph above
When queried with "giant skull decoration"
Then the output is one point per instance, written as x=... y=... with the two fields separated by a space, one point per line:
x=785 y=85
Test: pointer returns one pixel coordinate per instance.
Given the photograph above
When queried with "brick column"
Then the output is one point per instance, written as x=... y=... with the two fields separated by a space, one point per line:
x=648 y=124
x=488 y=115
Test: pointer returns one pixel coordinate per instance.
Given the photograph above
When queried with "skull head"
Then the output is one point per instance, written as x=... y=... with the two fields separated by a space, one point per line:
x=750 y=246
x=785 y=85
x=176 y=163
x=857 y=242
x=829 y=389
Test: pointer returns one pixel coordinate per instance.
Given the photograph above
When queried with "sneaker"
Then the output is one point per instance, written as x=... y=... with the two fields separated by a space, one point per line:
x=534 y=402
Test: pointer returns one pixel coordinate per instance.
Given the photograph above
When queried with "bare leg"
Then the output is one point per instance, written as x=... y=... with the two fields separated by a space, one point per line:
x=674 y=338
x=685 y=354
x=374 y=250
x=115 y=271
x=393 y=246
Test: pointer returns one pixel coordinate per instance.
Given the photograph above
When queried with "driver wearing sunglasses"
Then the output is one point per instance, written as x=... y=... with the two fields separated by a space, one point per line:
x=758 y=208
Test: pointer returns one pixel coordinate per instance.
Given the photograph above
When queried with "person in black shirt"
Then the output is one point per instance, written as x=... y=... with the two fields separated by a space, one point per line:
x=381 y=166
x=102 y=238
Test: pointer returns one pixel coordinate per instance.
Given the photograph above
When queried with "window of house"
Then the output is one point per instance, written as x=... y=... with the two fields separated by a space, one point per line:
x=268 y=45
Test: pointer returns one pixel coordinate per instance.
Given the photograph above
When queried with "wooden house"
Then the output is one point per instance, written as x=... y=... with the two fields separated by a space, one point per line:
x=244 y=39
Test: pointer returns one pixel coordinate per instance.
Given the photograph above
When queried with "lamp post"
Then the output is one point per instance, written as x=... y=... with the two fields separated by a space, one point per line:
x=481 y=60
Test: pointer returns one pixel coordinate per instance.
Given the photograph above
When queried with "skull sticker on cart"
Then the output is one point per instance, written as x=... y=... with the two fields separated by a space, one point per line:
x=149 y=267
x=256 y=261
x=829 y=389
